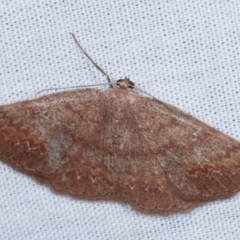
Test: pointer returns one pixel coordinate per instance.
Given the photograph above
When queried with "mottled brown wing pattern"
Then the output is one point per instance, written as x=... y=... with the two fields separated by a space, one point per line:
x=22 y=145
x=117 y=145
x=113 y=160
x=200 y=162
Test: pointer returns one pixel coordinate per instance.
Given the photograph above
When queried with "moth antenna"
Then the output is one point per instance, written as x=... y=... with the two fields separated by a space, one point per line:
x=139 y=89
x=73 y=87
x=94 y=64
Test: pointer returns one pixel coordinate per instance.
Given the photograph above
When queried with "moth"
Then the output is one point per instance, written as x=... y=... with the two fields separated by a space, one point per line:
x=118 y=145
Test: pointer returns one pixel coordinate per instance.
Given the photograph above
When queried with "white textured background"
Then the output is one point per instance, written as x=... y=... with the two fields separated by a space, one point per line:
x=183 y=52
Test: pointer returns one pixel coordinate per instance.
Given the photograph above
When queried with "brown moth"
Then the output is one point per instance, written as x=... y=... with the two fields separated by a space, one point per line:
x=117 y=145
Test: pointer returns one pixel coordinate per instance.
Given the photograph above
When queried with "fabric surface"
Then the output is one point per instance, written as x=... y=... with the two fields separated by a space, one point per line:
x=183 y=52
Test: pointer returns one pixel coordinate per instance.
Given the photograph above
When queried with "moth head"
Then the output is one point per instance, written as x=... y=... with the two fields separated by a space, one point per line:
x=125 y=84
